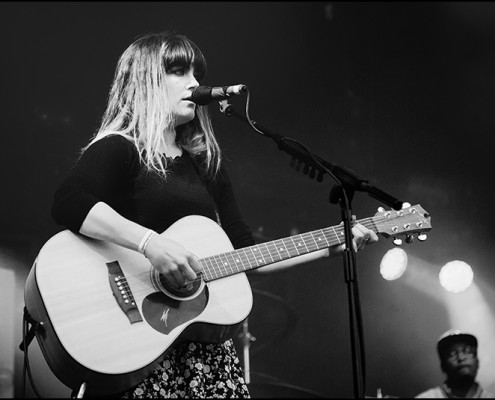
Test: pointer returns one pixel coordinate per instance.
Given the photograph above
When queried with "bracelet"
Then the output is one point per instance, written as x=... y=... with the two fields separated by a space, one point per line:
x=146 y=239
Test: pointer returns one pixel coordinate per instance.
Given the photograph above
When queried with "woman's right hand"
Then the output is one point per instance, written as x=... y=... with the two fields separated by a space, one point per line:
x=177 y=264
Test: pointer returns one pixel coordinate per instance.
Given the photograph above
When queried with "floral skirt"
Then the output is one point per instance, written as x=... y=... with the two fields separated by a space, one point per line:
x=195 y=370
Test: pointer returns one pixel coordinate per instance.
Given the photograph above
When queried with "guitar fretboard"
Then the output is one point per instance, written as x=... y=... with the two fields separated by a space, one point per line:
x=259 y=255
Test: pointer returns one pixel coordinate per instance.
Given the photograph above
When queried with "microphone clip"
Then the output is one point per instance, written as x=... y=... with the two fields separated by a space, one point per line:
x=225 y=107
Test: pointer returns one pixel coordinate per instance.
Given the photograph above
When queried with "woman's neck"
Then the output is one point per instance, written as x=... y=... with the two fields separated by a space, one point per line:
x=171 y=148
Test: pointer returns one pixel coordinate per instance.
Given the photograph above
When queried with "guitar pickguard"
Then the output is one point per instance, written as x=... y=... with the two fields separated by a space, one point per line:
x=164 y=313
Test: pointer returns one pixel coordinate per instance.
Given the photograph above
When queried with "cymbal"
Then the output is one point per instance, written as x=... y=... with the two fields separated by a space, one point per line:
x=271 y=319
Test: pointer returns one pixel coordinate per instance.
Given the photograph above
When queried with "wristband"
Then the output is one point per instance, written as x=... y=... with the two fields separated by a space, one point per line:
x=146 y=239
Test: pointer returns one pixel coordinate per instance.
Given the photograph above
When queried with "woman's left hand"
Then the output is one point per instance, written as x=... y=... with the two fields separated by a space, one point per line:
x=362 y=236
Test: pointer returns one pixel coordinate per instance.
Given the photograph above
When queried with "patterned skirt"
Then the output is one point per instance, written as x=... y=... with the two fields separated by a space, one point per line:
x=195 y=370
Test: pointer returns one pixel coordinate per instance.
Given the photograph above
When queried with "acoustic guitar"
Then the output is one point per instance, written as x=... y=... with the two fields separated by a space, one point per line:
x=106 y=317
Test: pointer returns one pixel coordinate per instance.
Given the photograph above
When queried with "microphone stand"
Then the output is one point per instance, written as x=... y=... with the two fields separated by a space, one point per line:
x=348 y=183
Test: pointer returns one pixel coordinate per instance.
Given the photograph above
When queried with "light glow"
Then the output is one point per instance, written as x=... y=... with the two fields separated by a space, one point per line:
x=393 y=264
x=456 y=276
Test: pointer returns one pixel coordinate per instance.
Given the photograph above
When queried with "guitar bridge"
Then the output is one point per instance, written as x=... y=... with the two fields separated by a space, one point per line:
x=122 y=292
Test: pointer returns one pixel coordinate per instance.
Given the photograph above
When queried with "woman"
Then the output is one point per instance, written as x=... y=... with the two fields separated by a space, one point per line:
x=153 y=161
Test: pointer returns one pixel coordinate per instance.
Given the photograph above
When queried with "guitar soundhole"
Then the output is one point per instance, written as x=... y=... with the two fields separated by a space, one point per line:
x=189 y=291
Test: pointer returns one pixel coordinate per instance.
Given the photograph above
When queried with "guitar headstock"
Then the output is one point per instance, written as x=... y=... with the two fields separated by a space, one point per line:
x=409 y=220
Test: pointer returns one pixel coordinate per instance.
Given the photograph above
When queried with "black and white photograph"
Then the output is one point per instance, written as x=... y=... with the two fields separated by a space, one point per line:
x=247 y=199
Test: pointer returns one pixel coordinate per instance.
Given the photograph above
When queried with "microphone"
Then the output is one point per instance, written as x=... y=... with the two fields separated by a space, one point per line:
x=204 y=95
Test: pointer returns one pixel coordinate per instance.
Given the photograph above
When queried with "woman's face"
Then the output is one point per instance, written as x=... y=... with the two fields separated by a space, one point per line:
x=180 y=84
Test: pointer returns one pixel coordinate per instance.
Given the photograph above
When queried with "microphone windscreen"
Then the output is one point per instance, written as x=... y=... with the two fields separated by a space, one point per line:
x=201 y=95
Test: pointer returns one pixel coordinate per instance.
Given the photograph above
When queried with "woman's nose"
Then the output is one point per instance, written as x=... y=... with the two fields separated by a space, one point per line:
x=193 y=83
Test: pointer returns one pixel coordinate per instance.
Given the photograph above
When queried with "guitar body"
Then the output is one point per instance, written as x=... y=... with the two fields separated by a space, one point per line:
x=87 y=337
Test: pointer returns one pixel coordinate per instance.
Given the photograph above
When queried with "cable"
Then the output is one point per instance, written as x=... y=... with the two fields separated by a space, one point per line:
x=26 y=367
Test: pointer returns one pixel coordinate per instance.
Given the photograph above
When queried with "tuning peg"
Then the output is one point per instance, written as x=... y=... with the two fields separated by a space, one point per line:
x=406 y=205
x=409 y=238
x=422 y=237
x=306 y=169
x=319 y=178
x=397 y=241
x=381 y=209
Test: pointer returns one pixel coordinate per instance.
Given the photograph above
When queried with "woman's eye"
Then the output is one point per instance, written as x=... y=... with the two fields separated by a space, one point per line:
x=177 y=71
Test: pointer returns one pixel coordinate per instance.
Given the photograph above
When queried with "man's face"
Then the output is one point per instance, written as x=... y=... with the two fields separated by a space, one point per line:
x=460 y=361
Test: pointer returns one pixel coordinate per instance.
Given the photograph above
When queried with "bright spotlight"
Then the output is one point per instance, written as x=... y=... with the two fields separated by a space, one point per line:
x=393 y=264
x=456 y=276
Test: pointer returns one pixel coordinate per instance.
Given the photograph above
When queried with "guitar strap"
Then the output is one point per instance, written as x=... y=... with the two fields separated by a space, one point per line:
x=207 y=183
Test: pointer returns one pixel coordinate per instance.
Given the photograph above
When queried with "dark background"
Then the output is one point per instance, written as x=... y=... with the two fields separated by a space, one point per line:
x=401 y=93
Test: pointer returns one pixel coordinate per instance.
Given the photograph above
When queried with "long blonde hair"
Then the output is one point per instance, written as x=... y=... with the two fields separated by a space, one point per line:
x=138 y=106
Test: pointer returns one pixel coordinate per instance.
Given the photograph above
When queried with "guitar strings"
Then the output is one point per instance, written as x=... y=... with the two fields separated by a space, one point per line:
x=219 y=270
x=218 y=267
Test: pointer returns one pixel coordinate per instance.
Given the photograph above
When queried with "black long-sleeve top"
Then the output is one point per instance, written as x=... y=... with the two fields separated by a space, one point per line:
x=110 y=171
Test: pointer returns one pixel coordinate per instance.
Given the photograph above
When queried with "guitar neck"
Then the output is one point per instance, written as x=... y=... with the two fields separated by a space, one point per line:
x=259 y=255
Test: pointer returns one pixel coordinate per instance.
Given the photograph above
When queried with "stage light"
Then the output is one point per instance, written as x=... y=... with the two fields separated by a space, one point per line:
x=456 y=276
x=393 y=264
